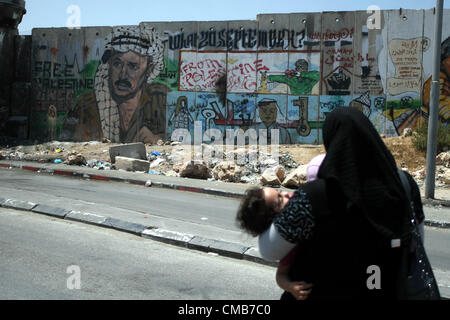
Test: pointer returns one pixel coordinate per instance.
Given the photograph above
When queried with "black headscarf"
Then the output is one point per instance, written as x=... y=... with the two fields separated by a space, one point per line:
x=360 y=168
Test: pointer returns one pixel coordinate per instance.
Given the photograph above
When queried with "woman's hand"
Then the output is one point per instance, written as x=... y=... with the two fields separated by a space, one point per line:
x=300 y=290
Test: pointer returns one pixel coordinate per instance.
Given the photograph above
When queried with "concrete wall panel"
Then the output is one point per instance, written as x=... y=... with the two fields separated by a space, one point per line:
x=57 y=66
x=177 y=38
x=271 y=115
x=404 y=82
x=245 y=34
x=337 y=36
x=242 y=60
x=368 y=91
x=303 y=119
x=305 y=29
x=274 y=32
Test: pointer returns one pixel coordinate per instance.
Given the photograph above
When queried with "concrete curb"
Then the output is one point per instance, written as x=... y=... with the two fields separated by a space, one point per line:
x=436 y=202
x=437 y=224
x=227 y=249
x=87 y=218
x=223 y=248
x=18 y=205
x=125 y=226
x=167 y=236
x=50 y=211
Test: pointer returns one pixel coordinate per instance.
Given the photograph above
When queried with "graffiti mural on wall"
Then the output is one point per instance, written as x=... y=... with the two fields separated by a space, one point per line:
x=295 y=117
x=265 y=72
x=125 y=105
x=129 y=84
x=444 y=96
x=373 y=107
x=301 y=76
x=408 y=109
x=58 y=77
x=202 y=72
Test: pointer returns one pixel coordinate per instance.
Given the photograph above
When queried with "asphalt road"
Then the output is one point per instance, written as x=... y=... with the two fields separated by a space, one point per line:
x=41 y=258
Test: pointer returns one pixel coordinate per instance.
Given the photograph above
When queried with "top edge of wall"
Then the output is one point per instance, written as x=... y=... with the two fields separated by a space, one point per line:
x=256 y=20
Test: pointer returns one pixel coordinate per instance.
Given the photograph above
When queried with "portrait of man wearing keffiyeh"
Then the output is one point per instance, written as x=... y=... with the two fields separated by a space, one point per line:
x=125 y=105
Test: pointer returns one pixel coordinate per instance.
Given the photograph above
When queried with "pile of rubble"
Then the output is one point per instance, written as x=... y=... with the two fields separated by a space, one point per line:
x=442 y=169
x=213 y=163
x=238 y=166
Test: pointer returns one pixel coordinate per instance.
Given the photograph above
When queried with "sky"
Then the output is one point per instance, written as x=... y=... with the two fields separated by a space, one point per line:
x=54 y=13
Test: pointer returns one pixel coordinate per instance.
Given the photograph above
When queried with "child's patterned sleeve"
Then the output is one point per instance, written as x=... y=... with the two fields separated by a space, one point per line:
x=295 y=223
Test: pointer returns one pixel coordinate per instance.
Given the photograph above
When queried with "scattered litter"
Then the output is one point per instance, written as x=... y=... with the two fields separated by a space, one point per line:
x=154 y=153
x=157 y=162
x=99 y=165
x=58 y=161
x=148 y=184
x=154 y=172
x=171 y=173
x=59 y=150
x=91 y=163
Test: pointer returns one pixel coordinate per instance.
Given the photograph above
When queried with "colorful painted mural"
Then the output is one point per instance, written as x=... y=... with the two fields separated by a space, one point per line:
x=285 y=72
x=444 y=97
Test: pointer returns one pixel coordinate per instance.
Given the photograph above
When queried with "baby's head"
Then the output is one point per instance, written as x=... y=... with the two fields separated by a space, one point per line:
x=260 y=205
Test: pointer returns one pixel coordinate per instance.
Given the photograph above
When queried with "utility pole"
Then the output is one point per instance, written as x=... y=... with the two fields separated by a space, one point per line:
x=434 y=104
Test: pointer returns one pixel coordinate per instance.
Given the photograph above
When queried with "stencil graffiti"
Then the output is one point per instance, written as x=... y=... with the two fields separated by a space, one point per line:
x=338 y=82
x=235 y=39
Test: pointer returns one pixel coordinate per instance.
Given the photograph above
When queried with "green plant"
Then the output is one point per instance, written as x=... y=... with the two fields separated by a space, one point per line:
x=420 y=138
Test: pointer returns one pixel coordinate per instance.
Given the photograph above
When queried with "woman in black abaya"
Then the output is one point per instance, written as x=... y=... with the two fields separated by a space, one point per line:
x=341 y=219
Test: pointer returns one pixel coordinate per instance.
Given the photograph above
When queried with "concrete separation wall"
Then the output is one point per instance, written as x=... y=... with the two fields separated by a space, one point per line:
x=157 y=80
